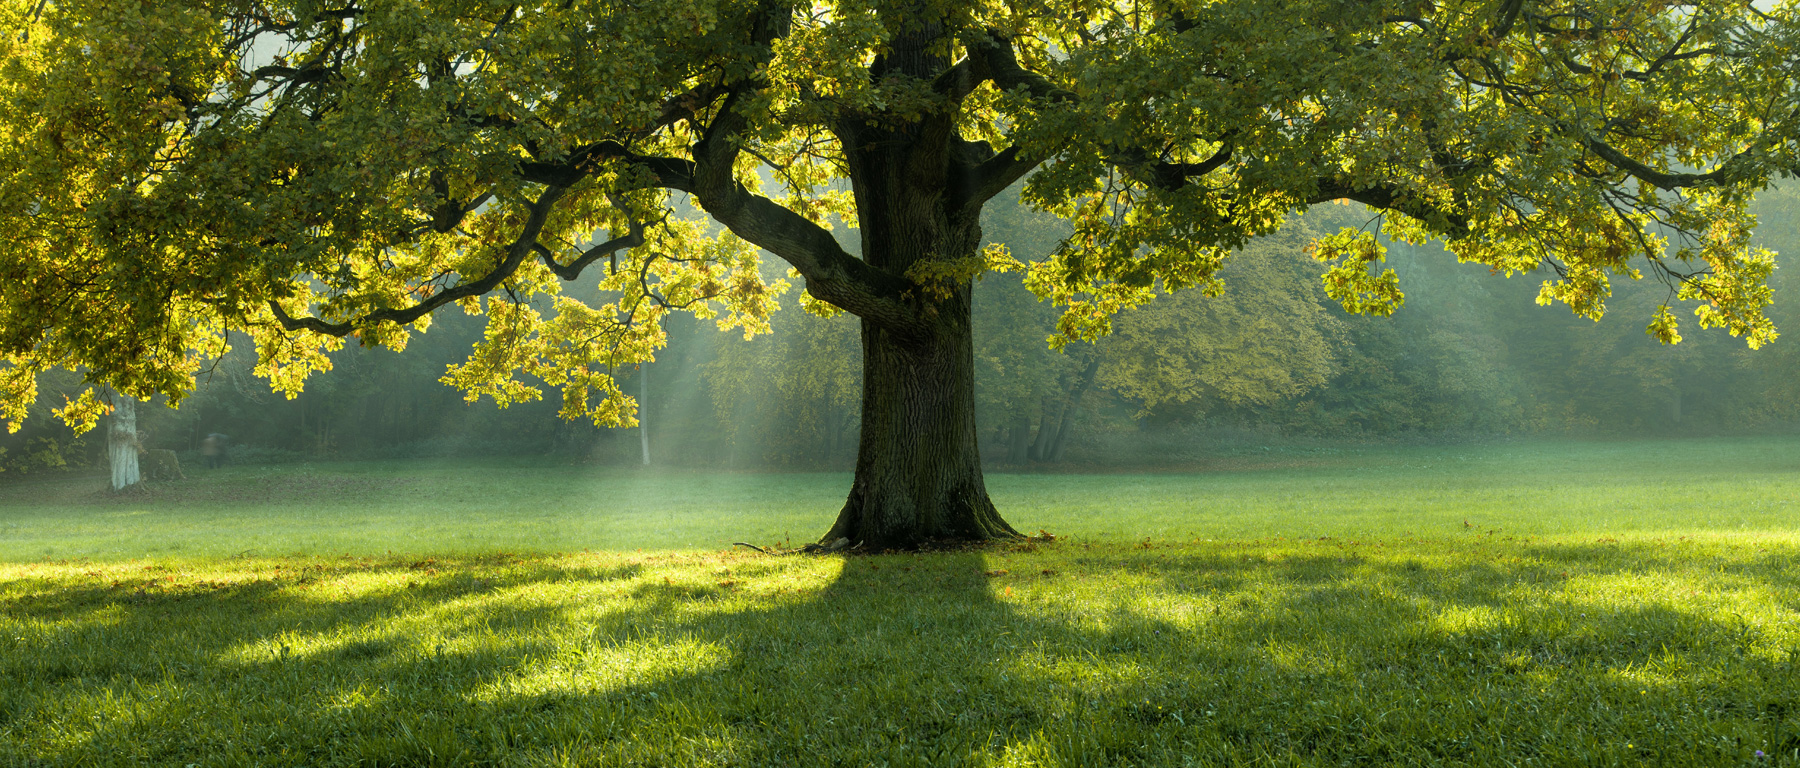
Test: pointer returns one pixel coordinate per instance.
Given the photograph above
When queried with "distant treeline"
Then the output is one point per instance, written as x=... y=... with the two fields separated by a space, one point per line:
x=1271 y=358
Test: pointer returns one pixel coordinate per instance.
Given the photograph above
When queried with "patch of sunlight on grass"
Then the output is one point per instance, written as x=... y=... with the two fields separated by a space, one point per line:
x=1302 y=658
x=1393 y=608
x=1435 y=652
x=1467 y=618
x=360 y=697
x=598 y=670
x=1033 y=751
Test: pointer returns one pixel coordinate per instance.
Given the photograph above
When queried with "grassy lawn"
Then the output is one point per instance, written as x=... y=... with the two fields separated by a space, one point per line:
x=1524 y=604
x=1576 y=490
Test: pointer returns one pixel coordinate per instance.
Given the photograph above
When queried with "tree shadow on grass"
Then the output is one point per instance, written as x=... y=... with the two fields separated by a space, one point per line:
x=1059 y=657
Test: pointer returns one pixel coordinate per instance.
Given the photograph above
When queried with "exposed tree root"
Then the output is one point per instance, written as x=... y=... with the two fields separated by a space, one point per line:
x=842 y=545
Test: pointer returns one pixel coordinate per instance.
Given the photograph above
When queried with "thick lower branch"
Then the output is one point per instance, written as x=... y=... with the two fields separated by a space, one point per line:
x=1724 y=174
x=522 y=247
x=633 y=237
x=832 y=274
x=1389 y=199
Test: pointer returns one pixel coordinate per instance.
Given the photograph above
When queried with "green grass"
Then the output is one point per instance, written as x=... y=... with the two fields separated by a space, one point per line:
x=372 y=508
x=1605 y=604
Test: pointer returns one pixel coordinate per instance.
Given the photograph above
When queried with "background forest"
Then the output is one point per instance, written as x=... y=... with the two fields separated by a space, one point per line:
x=1269 y=362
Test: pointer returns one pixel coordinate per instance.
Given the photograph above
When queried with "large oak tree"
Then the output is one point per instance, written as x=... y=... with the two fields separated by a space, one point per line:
x=309 y=170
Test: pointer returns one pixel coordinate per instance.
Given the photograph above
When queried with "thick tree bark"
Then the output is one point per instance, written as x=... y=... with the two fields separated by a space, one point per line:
x=919 y=189
x=918 y=471
x=918 y=468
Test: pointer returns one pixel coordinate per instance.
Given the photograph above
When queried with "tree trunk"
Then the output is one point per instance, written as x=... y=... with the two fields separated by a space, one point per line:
x=1071 y=408
x=122 y=442
x=918 y=468
x=918 y=471
x=1018 y=440
x=1040 y=448
x=643 y=402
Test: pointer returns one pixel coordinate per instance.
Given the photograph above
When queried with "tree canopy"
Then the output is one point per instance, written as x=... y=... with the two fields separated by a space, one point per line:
x=311 y=170
x=306 y=171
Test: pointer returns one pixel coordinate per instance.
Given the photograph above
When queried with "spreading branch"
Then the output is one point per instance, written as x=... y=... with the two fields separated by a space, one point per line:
x=1724 y=173
x=633 y=237
x=831 y=273
x=522 y=248
x=1174 y=175
x=1388 y=198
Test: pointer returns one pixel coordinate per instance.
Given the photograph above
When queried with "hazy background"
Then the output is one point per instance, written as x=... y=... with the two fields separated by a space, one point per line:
x=1272 y=363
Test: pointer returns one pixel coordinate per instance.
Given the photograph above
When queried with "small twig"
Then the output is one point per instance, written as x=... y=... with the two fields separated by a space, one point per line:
x=752 y=546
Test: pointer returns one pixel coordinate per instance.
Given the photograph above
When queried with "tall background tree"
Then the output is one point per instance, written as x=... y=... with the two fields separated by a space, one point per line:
x=122 y=442
x=308 y=171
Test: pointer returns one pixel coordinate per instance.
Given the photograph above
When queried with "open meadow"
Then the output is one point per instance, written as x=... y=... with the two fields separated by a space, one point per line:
x=1598 y=603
